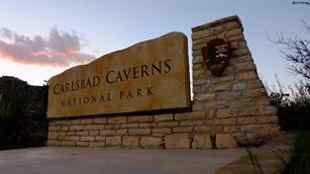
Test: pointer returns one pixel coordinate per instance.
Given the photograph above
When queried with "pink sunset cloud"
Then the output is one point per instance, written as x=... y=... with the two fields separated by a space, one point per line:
x=59 y=49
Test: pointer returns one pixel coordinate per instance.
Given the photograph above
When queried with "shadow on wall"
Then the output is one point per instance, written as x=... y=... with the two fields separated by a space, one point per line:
x=23 y=120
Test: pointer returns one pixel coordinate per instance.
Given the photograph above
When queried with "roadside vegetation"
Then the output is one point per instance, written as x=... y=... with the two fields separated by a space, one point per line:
x=10 y=110
x=18 y=129
x=294 y=115
x=293 y=102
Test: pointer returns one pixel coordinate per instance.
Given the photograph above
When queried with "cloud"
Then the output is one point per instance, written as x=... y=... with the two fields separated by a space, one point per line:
x=59 y=49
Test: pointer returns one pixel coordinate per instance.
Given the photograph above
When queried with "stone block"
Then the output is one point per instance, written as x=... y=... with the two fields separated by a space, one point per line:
x=223 y=79
x=224 y=141
x=87 y=138
x=54 y=128
x=82 y=133
x=198 y=66
x=232 y=25
x=255 y=83
x=239 y=86
x=202 y=141
x=53 y=143
x=52 y=135
x=61 y=134
x=238 y=45
x=94 y=132
x=177 y=141
x=231 y=129
x=64 y=128
x=121 y=132
x=163 y=117
x=256 y=93
x=103 y=120
x=190 y=116
x=97 y=144
x=158 y=131
x=245 y=66
x=226 y=121
x=86 y=121
x=251 y=128
x=147 y=125
x=269 y=110
x=236 y=38
x=203 y=129
x=130 y=125
x=82 y=144
x=117 y=120
x=201 y=82
x=76 y=127
x=53 y=123
x=115 y=140
x=246 y=120
x=234 y=32
x=198 y=106
x=198 y=59
x=131 y=140
x=205 y=97
x=100 y=138
x=107 y=132
x=75 y=121
x=68 y=143
x=196 y=36
x=183 y=129
x=93 y=127
x=151 y=141
x=143 y=131
x=248 y=75
x=211 y=113
x=240 y=52
x=222 y=87
x=139 y=119
x=192 y=123
x=74 y=138
x=272 y=119
x=112 y=126
x=223 y=113
x=199 y=74
x=168 y=124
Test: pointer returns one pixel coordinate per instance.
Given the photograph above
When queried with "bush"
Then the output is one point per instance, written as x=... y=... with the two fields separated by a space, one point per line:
x=300 y=160
x=10 y=109
x=17 y=129
x=293 y=107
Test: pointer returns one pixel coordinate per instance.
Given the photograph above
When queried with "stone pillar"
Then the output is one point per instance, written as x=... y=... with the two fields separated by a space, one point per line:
x=237 y=105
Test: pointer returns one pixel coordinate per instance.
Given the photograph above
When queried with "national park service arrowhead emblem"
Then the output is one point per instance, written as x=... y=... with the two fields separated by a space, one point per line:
x=216 y=55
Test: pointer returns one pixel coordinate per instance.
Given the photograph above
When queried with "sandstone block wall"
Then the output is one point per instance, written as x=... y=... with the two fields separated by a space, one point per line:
x=164 y=131
x=238 y=95
x=188 y=130
x=228 y=111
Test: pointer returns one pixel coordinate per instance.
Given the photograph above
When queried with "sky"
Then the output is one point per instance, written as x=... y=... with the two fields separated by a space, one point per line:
x=41 y=38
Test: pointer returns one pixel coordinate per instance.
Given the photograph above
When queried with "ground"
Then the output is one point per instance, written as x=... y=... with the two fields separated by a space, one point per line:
x=52 y=160
x=62 y=160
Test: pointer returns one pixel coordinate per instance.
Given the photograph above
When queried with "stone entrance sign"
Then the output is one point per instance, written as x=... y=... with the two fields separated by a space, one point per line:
x=152 y=75
x=230 y=105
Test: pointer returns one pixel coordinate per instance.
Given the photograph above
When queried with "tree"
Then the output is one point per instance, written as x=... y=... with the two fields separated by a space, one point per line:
x=297 y=51
x=301 y=2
